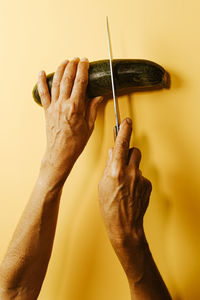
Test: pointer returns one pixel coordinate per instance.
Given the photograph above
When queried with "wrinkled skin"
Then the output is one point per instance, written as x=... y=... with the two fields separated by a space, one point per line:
x=123 y=194
x=70 y=121
x=69 y=115
x=123 y=191
x=124 y=197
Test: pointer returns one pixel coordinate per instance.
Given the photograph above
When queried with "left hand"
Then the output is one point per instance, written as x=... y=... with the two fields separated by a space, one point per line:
x=70 y=117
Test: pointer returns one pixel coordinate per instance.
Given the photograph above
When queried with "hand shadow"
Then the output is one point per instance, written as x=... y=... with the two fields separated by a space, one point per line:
x=160 y=206
x=65 y=240
x=89 y=253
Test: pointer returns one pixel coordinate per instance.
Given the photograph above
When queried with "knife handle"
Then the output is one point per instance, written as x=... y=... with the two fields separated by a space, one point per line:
x=115 y=131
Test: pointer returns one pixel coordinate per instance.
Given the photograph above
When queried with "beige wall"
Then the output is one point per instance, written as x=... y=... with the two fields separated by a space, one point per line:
x=38 y=35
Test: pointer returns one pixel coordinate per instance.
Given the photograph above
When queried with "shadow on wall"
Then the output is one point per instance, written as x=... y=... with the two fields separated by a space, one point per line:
x=184 y=181
x=87 y=255
x=161 y=209
x=80 y=275
x=161 y=204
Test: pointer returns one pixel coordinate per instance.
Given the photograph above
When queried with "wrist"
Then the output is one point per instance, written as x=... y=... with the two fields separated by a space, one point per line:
x=129 y=247
x=52 y=174
x=134 y=238
x=131 y=252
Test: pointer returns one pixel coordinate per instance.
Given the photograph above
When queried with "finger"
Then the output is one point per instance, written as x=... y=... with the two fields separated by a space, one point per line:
x=43 y=90
x=147 y=186
x=143 y=190
x=115 y=132
x=67 y=81
x=135 y=158
x=55 y=90
x=110 y=153
x=91 y=112
x=80 y=84
x=121 y=147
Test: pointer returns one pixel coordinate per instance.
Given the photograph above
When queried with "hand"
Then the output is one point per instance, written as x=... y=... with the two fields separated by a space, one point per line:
x=123 y=191
x=124 y=196
x=69 y=115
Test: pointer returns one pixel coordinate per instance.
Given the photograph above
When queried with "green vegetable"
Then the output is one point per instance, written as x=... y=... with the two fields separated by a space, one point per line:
x=130 y=75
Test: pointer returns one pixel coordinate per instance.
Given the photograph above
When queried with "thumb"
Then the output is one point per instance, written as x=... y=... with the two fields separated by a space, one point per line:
x=91 y=112
x=121 y=147
x=43 y=90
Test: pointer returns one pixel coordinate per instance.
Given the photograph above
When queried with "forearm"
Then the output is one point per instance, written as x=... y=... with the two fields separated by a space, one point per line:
x=144 y=279
x=124 y=197
x=25 y=264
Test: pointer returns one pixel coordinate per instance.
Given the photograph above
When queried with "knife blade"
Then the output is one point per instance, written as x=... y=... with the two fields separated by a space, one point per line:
x=116 y=128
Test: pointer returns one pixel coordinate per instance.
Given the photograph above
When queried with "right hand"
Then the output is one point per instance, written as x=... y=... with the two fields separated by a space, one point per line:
x=123 y=191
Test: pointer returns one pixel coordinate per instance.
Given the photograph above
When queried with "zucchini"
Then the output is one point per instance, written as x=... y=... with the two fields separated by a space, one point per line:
x=130 y=75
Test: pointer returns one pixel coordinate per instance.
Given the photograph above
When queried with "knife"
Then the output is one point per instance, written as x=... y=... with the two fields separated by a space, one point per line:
x=116 y=128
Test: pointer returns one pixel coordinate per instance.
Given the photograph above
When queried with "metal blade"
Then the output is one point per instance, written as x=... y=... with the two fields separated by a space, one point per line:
x=112 y=80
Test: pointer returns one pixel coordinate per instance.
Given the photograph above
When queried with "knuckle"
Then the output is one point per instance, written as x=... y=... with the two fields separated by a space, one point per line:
x=43 y=93
x=120 y=174
x=72 y=110
x=117 y=173
x=122 y=143
x=68 y=78
x=147 y=184
x=72 y=107
x=138 y=173
x=82 y=81
x=56 y=83
x=58 y=106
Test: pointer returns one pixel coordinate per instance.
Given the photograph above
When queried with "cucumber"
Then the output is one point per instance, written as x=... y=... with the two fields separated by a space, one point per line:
x=130 y=75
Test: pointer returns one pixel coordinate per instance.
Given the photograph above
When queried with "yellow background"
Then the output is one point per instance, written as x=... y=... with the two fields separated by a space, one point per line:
x=40 y=34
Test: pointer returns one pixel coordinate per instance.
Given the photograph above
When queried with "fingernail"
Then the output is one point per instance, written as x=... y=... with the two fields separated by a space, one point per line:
x=65 y=61
x=75 y=58
x=41 y=73
x=129 y=121
x=84 y=59
x=100 y=99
